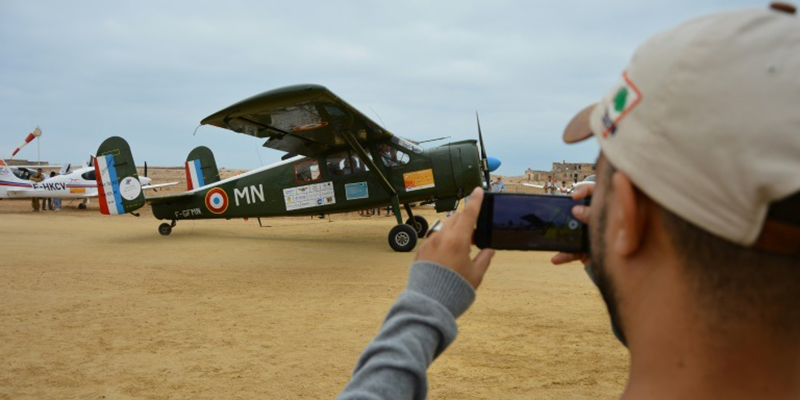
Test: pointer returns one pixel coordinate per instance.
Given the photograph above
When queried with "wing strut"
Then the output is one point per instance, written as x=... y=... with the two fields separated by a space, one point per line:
x=348 y=136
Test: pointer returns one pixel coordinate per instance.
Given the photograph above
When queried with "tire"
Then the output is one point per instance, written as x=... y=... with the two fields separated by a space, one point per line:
x=419 y=224
x=402 y=238
x=165 y=229
x=81 y=206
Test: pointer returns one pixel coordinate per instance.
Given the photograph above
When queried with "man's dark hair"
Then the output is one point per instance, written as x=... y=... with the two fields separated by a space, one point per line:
x=734 y=284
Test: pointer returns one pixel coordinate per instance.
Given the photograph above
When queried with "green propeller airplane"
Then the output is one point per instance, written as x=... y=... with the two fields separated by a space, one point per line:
x=337 y=161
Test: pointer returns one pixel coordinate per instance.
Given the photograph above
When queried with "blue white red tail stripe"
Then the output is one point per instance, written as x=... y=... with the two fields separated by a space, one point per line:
x=194 y=175
x=108 y=186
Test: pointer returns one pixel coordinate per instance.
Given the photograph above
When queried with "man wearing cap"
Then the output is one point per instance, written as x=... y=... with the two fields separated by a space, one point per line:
x=700 y=273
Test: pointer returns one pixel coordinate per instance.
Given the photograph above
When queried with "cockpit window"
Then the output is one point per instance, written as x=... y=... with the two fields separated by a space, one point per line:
x=590 y=178
x=406 y=144
x=345 y=163
x=392 y=157
x=22 y=173
x=89 y=176
x=306 y=171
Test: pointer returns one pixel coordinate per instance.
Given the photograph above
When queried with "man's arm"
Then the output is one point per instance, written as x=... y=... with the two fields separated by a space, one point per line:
x=418 y=327
x=421 y=324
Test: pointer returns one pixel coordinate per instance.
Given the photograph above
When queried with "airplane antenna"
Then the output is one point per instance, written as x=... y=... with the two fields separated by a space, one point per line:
x=434 y=140
x=195 y=129
x=379 y=117
x=258 y=153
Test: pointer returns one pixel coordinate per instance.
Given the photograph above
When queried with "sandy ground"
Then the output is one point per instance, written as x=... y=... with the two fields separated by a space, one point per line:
x=97 y=307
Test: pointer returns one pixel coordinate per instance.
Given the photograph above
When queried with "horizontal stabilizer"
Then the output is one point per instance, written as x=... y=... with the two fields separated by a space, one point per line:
x=170 y=198
x=160 y=185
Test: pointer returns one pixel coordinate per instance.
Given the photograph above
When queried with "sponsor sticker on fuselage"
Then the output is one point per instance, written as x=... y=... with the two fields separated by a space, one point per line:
x=418 y=180
x=315 y=195
x=358 y=190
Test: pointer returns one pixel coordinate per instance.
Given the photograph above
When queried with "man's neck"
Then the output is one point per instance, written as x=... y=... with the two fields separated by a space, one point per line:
x=675 y=354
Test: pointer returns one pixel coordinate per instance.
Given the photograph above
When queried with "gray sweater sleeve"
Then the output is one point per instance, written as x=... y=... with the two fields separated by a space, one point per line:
x=418 y=327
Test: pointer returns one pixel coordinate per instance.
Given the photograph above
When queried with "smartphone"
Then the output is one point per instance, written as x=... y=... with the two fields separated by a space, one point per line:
x=510 y=221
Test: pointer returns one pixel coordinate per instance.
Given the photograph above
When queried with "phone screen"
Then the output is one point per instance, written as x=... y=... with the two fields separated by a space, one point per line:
x=530 y=222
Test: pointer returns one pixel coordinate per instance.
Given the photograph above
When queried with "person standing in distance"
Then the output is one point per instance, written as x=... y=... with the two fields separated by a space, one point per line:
x=36 y=178
x=499 y=186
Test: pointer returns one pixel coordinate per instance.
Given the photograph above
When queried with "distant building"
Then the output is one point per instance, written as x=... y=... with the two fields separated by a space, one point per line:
x=563 y=171
x=536 y=176
x=25 y=162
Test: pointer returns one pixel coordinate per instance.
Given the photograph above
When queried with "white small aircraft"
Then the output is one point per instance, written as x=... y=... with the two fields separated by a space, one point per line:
x=78 y=184
x=589 y=180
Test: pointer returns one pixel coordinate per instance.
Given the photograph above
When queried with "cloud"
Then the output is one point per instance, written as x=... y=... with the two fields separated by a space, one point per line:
x=150 y=71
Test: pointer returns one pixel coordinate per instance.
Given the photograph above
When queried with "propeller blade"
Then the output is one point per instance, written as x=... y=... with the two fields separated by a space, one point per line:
x=484 y=162
x=145 y=169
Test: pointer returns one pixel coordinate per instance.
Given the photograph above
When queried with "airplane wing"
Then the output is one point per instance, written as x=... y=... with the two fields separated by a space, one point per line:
x=160 y=185
x=57 y=196
x=301 y=119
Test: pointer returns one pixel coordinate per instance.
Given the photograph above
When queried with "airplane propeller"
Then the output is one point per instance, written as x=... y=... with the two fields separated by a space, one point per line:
x=145 y=169
x=488 y=164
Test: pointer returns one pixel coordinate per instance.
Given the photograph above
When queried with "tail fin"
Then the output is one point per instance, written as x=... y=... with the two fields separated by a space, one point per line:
x=118 y=186
x=201 y=168
x=5 y=172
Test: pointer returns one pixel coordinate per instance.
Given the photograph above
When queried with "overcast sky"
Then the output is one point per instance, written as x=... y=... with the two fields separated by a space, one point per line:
x=149 y=71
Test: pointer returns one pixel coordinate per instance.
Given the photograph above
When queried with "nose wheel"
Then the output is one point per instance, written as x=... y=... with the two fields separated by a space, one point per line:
x=403 y=238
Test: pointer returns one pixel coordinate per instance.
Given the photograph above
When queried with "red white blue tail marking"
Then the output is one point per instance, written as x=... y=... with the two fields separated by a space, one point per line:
x=194 y=175
x=108 y=186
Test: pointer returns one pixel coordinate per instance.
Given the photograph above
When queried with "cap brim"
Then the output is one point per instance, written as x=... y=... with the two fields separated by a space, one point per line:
x=579 y=128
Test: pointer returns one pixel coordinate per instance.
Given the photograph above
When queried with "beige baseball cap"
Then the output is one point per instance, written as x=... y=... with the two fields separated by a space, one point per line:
x=706 y=122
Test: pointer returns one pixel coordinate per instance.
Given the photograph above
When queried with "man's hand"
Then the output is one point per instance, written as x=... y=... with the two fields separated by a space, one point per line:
x=450 y=246
x=581 y=213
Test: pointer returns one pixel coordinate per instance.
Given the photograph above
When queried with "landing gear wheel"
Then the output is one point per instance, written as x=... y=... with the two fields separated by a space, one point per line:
x=402 y=238
x=82 y=206
x=419 y=224
x=165 y=229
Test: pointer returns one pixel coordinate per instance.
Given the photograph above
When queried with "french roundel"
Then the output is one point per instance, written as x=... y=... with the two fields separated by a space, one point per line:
x=216 y=201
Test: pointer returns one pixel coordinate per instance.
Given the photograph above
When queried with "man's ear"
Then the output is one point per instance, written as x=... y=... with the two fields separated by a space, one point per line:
x=633 y=215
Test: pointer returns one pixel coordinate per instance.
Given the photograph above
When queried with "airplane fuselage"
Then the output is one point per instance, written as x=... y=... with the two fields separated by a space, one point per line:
x=312 y=186
x=79 y=184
